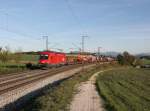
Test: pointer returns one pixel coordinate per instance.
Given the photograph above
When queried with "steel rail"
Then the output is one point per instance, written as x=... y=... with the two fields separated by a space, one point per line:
x=5 y=87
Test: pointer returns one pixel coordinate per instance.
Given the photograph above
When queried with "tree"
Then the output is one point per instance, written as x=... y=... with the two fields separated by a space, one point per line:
x=17 y=56
x=126 y=58
x=0 y=49
x=120 y=59
x=137 y=62
x=5 y=54
x=131 y=59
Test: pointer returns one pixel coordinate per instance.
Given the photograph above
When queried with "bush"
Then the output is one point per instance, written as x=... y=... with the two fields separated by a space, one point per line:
x=120 y=59
x=5 y=55
x=126 y=59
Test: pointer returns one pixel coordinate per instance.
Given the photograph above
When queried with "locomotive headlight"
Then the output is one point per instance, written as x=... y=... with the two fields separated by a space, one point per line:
x=63 y=59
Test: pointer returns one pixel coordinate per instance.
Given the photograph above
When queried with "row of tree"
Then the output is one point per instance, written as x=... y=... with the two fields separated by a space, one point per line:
x=128 y=59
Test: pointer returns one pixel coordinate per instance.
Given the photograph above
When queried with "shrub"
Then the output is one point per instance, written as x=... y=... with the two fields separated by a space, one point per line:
x=5 y=55
x=126 y=58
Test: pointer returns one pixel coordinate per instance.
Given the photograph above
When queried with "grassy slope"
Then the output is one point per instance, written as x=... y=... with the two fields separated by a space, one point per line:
x=57 y=98
x=125 y=89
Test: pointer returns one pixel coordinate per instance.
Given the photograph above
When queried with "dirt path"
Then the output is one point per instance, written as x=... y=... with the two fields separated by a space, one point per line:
x=87 y=99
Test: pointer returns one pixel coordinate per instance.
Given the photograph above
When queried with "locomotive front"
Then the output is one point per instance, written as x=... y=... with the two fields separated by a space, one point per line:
x=43 y=59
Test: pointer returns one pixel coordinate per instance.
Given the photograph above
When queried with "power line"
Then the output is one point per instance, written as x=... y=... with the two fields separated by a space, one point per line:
x=19 y=33
x=7 y=29
x=76 y=46
x=79 y=23
x=74 y=15
x=13 y=39
x=99 y=48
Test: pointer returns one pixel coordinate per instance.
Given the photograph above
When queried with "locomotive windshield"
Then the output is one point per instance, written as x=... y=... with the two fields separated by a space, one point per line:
x=43 y=57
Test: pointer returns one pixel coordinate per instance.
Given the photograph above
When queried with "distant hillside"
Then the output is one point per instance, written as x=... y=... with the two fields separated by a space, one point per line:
x=111 y=53
x=143 y=54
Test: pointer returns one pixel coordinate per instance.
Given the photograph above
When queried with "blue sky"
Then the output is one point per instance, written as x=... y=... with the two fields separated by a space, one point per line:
x=115 y=25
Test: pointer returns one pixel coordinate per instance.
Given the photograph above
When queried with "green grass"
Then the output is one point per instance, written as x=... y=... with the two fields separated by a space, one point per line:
x=29 y=57
x=145 y=61
x=58 y=98
x=125 y=89
x=11 y=66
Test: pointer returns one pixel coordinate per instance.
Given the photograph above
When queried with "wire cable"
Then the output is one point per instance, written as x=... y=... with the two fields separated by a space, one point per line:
x=74 y=15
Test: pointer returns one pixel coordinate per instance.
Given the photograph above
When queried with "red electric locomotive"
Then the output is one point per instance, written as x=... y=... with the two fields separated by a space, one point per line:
x=50 y=58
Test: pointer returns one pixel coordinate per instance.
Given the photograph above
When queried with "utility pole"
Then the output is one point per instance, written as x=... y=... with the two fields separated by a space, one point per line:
x=83 y=42
x=46 y=42
x=99 y=48
x=82 y=51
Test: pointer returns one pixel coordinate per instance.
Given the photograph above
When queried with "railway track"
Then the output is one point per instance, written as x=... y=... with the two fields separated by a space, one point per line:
x=7 y=78
x=15 y=91
x=11 y=82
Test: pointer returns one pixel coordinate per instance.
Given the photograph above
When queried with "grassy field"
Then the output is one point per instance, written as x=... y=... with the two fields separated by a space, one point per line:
x=12 y=66
x=57 y=98
x=125 y=89
x=145 y=61
x=30 y=58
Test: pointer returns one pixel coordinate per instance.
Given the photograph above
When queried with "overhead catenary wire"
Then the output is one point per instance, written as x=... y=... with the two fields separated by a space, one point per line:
x=83 y=31
x=21 y=34
x=74 y=15
x=18 y=33
x=79 y=48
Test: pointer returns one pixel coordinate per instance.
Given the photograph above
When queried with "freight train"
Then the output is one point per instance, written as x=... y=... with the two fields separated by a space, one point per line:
x=56 y=59
x=50 y=58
